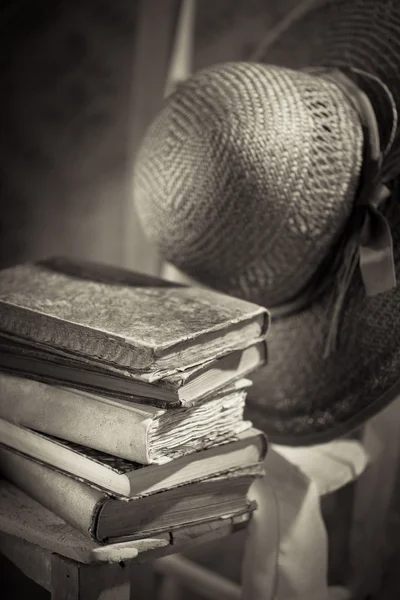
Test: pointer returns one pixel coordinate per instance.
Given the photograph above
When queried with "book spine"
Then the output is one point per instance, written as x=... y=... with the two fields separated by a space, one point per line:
x=93 y=421
x=77 y=339
x=78 y=504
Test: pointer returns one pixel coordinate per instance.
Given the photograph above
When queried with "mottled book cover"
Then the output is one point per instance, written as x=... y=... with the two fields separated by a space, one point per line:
x=123 y=318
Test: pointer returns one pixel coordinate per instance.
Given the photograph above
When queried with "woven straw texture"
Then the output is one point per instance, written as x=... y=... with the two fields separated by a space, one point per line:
x=245 y=181
x=364 y=34
x=242 y=174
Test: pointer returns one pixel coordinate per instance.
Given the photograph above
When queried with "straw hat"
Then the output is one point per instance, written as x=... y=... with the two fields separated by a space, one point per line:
x=276 y=181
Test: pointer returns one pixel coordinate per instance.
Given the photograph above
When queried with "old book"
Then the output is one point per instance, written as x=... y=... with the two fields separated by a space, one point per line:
x=172 y=388
x=24 y=517
x=137 y=432
x=123 y=318
x=127 y=478
x=108 y=519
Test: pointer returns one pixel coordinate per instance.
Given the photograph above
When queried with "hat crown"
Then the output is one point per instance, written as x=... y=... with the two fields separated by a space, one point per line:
x=361 y=34
x=247 y=176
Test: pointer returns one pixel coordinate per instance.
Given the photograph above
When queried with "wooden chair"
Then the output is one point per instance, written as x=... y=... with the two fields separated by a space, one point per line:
x=72 y=567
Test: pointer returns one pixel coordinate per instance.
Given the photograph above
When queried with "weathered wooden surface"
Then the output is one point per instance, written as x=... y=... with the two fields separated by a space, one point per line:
x=21 y=517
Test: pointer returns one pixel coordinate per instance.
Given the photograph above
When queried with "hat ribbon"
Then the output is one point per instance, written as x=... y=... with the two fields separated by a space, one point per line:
x=366 y=241
x=370 y=246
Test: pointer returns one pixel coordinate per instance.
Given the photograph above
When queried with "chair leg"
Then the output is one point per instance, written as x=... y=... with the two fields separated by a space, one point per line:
x=152 y=50
x=197 y=578
x=372 y=505
x=259 y=566
x=166 y=587
x=1 y=575
x=74 y=581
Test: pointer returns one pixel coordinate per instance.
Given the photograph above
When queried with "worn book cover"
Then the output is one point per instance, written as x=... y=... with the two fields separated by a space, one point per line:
x=123 y=318
x=122 y=477
x=137 y=432
x=163 y=388
x=106 y=518
x=22 y=516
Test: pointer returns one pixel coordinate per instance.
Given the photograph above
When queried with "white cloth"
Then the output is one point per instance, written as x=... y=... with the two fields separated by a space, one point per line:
x=287 y=549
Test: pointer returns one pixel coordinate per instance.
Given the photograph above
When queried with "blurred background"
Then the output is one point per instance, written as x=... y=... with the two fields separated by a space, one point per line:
x=80 y=81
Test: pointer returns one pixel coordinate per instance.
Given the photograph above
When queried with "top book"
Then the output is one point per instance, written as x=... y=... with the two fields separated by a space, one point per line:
x=123 y=318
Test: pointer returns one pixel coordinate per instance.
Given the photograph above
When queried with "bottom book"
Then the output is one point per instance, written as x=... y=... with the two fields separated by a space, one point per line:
x=23 y=517
x=105 y=518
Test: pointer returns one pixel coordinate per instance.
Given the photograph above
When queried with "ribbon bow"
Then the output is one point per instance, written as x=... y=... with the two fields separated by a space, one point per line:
x=373 y=247
x=366 y=242
x=376 y=257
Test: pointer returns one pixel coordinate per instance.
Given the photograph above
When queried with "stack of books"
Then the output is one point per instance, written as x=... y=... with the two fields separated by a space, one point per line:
x=122 y=398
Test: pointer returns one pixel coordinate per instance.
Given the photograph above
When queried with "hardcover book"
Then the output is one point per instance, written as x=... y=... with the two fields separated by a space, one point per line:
x=126 y=478
x=137 y=432
x=23 y=516
x=122 y=318
x=105 y=518
x=171 y=388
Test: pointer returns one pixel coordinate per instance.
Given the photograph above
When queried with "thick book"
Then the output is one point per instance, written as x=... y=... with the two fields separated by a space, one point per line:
x=137 y=432
x=171 y=388
x=123 y=318
x=22 y=516
x=106 y=518
x=126 y=478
